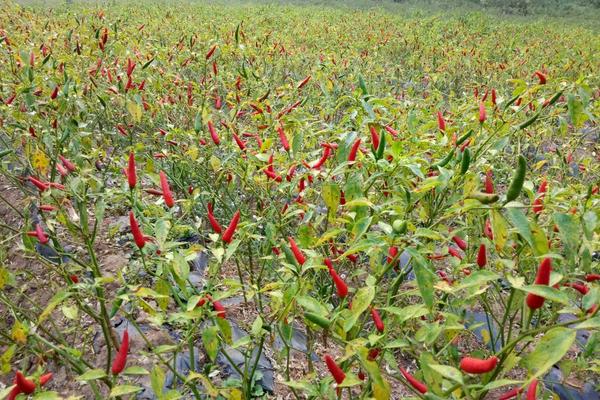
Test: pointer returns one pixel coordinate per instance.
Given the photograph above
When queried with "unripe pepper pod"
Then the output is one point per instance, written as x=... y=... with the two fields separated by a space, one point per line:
x=542 y=278
x=473 y=365
x=121 y=357
x=166 y=190
x=481 y=256
x=138 y=237
x=377 y=320
x=337 y=373
x=131 y=176
x=228 y=234
x=414 y=382
x=298 y=255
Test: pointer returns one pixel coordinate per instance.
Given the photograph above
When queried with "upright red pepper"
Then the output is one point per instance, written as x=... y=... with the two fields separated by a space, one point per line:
x=473 y=365
x=441 y=121
x=482 y=115
x=354 y=150
x=337 y=373
x=392 y=253
x=213 y=221
x=138 y=236
x=340 y=285
x=541 y=76
x=213 y=133
x=121 y=357
x=542 y=278
x=377 y=320
x=489 y=183
x=54 y=93
x=482 y=256
x=283 y=139
x=414 y=382
x=166 y=190
x=239 y=142
x=67 y=163
x=460 y=242
x=374 y=137
x=218 y=307
x=532 y=389
x=297 y=252
x=131 y=176
x=228 y=234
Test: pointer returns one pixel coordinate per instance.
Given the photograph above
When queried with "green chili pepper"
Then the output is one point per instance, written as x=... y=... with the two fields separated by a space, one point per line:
x=517 y=183
x=466 y=161
x=318 y=320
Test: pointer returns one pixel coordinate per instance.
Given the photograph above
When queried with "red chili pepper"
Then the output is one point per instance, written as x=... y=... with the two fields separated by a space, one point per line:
x=67 y=163
x=340 y=285
x=352 y=257
x=489 y=183
x=531 y=390
x=541 y=76
x=213 y=221
x=373 y=353
x=580 y=287
x=40 y=234
x=460 y=242
x=473 y=365
x=121 y=357
x=494 y=96
x=218 y=307
x=45 y=378
x=131 y=175
x=42 y=186
x=324 y=157
x=455 y=253
x=304 y=82
x=337 y=373
x=61 y=170
x=54 y=93
x=291 y=172
x=297 y=252
x=213 y=133
x=138 y=236
x=167 y=195
x=154 y=192
x=592 y=277
x=391 y=131
x=354 y=150
x=482 y=256
x=510 y=394
x=441 y=121
x=543 y=187
x=377 y=320
x=392 y=253
x=487 y=229
x=542 y=278
x=482 y=115
x=283 y=139
x=538 y=205
x=74 y=278
x=239 y=142
x=25 y=385
x=342 y=198
x=228 y=234
x=414 y=382
x=211 y=52
x=374 y=137
x=47 y=207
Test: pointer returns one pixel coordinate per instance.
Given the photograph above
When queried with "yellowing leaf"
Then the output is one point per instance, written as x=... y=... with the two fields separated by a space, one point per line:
x=40 y=162
x=135 y=110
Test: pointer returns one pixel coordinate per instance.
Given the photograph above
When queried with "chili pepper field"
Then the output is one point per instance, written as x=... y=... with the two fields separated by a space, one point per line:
x=298 y=201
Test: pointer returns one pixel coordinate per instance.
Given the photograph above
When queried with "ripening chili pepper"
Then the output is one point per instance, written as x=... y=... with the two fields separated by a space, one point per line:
x=414 y=382
x=213 y=133
x=228 y=234
x=54 y=93
x=542 y=278
x=131 y=175
x=337 y=373
x=220 y=310
x=67 y=163
x=473 y=365
x=592 y=277
x=340 y=285
x=580 y=287
x=460 y=242
x=532 y=389
x=283 y=139
x=354 y=150
x=377 y=320
x=374 y=137
x=352 y=257
x=298 y=255
x=482 y=115
x=455 y=253
x=138 y=236
x=441 y=121
x=489 y=183
x=121 y=357
x=213 y=221
x=25 y=385
x=321 y=161
x=166 y=190
x=537 y=205
x=61 y=170
x=510 y=394
x=482 y=256
x=42 y=186
x=373 y=353
x=487 y=229
x=541 y=76
x=304 y=82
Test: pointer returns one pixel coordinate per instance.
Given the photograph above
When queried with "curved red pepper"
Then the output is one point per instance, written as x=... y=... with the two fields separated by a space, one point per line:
x=377 y=320
x=138 y=236
x=481 y=256
x=337 y=373
x=473 y=365
x=228 y=234
x=297 y=252
x=121 y=357
x=414 y=382
x=166 y=190
x=542 y=278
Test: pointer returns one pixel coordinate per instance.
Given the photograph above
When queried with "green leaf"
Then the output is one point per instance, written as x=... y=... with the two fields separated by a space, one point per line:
x=408 y=312
x=519 y=220
x=92 y=374
x=135 y=370
x=592 y=323
x=361 y=301
x=550 y=350
x=501 y=382
x=477 y=278
x=122 y=390
x=157 y=380
x=54 y=302
x=448 y=372
x=381 y=388
x=211 y=342
x=499 y=229
x=48 y=395
x=424 y=275
x=331 y=196
x=361 y=227
x=547 y=292
x=568 y=232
